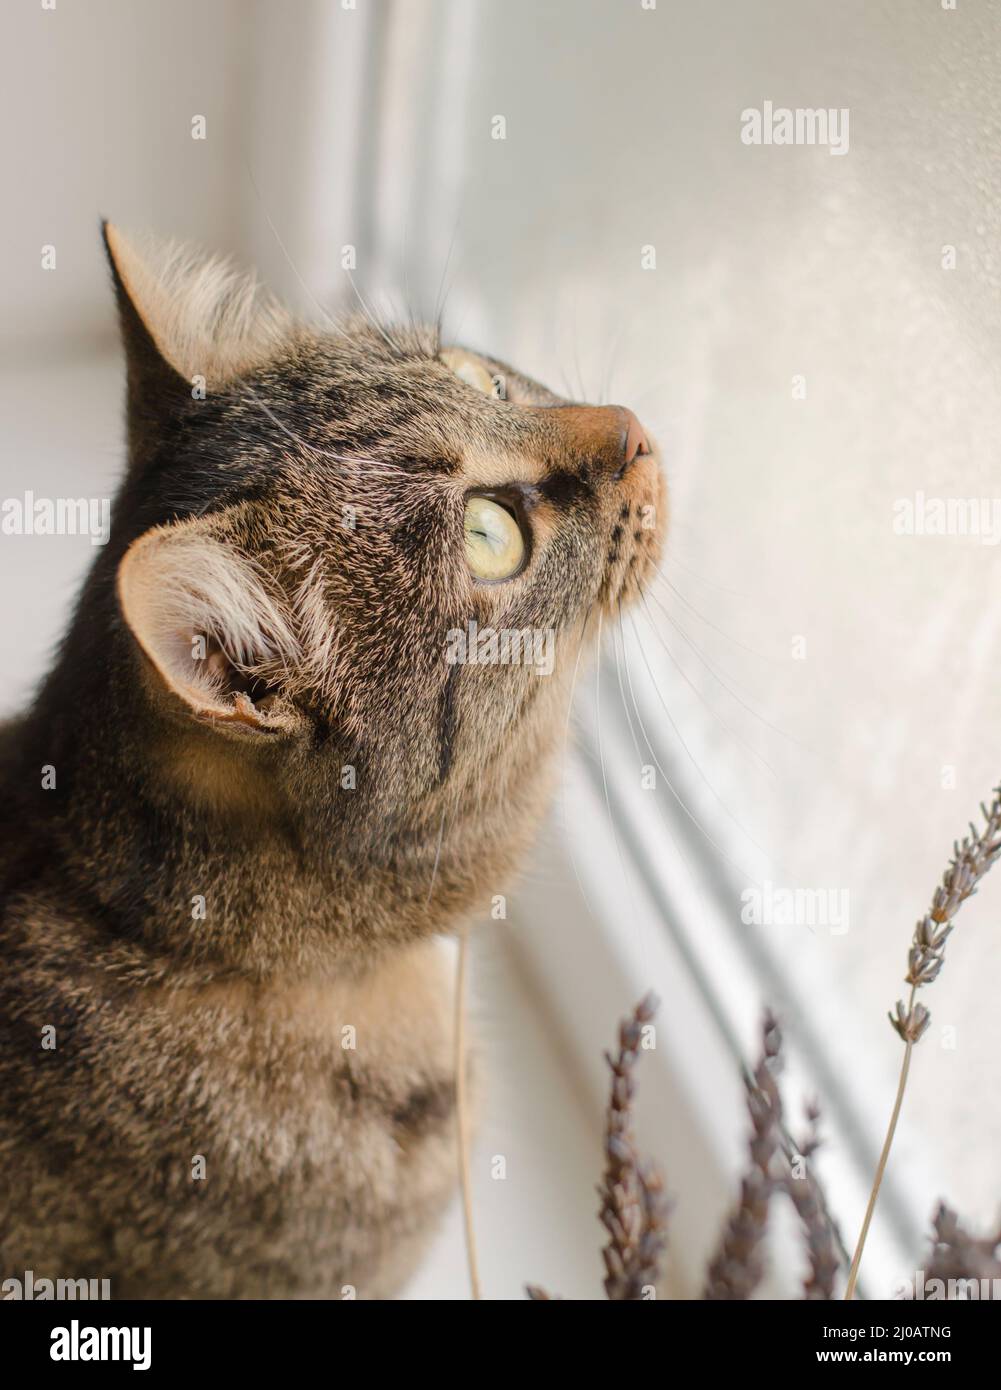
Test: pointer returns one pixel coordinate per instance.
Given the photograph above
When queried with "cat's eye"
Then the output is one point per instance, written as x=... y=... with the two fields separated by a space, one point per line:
x=495 y=542
x=471 y=371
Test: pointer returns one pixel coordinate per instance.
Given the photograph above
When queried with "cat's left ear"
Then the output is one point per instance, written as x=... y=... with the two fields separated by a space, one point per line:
x=217 y=637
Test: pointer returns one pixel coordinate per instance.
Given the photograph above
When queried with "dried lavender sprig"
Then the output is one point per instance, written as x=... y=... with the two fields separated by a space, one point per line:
x=653 y=1231
x=970 y=862
x=807 y=1197
x=971 y=859
x=633 y=1210
x=737 y=1267
x=958 y=1255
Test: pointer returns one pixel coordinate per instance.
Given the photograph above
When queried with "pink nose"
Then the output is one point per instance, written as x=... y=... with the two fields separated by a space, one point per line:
x=636 y=443
x=609 y=433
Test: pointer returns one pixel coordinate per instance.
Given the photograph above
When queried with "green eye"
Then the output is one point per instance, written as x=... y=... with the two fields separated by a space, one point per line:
x=495 y=546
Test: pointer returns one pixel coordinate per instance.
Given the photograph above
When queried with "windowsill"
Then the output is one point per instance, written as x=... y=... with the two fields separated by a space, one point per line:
x=594 y=950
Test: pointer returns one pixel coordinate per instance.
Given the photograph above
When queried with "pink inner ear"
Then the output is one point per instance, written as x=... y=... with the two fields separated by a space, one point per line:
x=179 y=583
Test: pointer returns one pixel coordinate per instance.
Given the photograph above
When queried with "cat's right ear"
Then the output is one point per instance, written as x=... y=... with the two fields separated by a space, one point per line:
x=154 y=386
x=190 y=323
x=214 y=633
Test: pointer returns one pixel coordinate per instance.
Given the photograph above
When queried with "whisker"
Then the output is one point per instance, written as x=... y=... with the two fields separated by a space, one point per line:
x=569 y=393
x=697 y=766
x=671 y=830
x=606 y=378
x=648 y=391
x=577 y=372
x=752 y=878
x=708 y=621
x=715 y=674
x=741 y=742
x=622 y=693
x=563 y=789
x=668 y=823
x=440 y=297
x=394 y=347
x=407 y=299
x=604 y=778
x=672 y=557
x=284 y=250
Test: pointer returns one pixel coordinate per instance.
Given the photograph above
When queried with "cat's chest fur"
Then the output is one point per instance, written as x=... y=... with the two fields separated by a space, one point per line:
x=237 y=1141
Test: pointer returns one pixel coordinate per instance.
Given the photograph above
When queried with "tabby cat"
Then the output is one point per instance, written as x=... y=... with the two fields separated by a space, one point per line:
x=259 y=786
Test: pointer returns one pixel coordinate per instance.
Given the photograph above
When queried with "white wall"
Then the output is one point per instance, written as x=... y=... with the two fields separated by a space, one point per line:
x=97 y=106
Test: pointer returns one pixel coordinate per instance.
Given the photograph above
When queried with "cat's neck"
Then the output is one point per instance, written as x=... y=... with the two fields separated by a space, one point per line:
x=155 y=841
x=170 y=836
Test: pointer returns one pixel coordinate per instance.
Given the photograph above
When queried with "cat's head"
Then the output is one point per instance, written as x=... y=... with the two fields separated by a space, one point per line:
x=355 y=557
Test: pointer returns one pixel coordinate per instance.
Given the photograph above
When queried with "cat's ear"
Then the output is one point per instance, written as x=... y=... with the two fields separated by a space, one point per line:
x=188 y=319
x=218 y=638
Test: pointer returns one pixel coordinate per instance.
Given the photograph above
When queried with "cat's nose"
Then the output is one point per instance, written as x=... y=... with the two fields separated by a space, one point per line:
x=624 y=434
x=635 y=443
x=609 y=432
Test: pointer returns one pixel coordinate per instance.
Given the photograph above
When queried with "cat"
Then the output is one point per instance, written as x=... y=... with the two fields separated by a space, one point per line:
x=254 y=793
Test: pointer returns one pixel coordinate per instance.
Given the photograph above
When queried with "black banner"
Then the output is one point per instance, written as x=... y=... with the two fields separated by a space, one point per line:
x=172 y=1339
